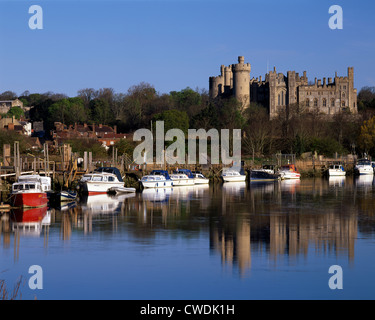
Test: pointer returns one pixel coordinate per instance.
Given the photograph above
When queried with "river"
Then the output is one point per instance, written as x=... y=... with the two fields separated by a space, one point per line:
x=229 y=241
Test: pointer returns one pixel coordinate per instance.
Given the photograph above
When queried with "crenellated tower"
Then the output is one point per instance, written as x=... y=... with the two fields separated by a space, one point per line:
x=241 y=82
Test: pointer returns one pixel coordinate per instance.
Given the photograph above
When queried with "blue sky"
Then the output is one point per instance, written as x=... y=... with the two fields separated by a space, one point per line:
x=177 y=44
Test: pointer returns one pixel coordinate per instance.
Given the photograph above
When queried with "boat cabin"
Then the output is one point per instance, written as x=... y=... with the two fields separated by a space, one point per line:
x=99 y=177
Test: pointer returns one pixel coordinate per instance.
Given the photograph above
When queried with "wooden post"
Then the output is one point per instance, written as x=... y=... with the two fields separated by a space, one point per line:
x=17 y=158
x=90 y=161
x=47 y=159
x=6 y=154
x=85 y=161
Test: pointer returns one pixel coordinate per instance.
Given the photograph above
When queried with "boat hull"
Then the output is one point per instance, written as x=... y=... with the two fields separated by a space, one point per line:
x=234 y=178
x=290 y=175
x=364 y=170
x=67 y=196
x=157 y=184
x=256 y=175
x=122 y=190
x=201 y=181
x=336 y=173
x=183 y=182
x=30 y=200
x=92 y=187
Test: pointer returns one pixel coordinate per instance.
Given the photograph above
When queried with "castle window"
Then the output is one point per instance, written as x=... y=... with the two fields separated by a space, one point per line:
x=282 y=98
x=307 y=102
x=343 y=103
x=315 y=102
x=324 y=102
x=332 y=102
x=278 y=100
x=343 y=95
x=344 y=87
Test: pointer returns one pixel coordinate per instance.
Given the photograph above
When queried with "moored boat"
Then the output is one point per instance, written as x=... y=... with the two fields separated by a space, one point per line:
x=364 y=166
x=100 y=181
x=266 y=173
x=30 y=191
x=121 y=190
x=199 y=178
x=231 y=175
x=67 y=196
x=157 y=179
x=181 y=179
x=289 y=171
x=336 y=170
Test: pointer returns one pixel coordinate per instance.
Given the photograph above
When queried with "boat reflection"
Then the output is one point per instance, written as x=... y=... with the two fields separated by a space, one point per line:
x=364 y=180
x=290 y=185
x=264 y=186
x=29 y=222
x=156 y=194
x=336 y=181
x=103 y=203
x=234 y=187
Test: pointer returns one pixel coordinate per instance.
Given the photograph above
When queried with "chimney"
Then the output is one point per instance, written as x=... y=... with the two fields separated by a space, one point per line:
x=115 y=128
x=324 y=81
x=319 y=82
x=13 y=119
x=329 y=80
x=11 y=126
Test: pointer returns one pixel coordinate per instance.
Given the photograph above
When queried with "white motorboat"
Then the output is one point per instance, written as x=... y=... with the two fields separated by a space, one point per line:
x=364 y=166
x=336 y=170
x=231 y=175
x=157 y=179
x=289 y=172
x=100 y=181
x=181 y=179
x=199 y=178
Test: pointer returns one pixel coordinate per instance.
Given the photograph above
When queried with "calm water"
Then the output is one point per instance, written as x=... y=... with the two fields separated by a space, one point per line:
x=231 y=241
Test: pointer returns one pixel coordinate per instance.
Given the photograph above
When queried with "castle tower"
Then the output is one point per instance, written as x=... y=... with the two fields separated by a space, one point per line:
x=241 y=82
x=352 y=92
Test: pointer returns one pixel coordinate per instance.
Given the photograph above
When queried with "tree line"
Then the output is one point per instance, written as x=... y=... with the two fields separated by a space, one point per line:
x=294 y=131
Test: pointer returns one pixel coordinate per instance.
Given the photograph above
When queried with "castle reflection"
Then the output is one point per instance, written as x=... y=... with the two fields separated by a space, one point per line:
x=280 y=219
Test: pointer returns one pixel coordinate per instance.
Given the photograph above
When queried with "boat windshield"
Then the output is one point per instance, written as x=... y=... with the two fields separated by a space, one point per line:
x=27 y=186
x=364 y=162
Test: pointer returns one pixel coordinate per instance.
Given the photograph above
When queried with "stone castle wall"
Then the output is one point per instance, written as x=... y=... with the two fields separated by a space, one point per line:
x=277 y=91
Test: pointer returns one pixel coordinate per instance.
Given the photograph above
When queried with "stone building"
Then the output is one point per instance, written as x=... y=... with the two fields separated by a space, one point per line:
x=277 y=92
x=6 y=105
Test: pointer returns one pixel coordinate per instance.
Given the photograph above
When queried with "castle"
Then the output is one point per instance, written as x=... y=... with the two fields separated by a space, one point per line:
x=277 y=92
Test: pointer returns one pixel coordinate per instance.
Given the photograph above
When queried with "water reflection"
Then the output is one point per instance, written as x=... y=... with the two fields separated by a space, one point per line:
x=29 y=222
x=364 y=180
x=336 y=181
x=240 y=222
